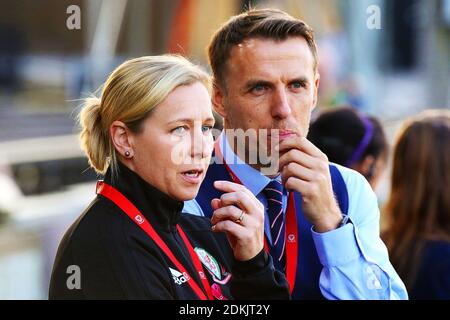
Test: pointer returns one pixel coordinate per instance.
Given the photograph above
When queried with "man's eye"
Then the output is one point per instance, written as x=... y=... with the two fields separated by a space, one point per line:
x=259 y=88
x=206 y=128
x=297 y=85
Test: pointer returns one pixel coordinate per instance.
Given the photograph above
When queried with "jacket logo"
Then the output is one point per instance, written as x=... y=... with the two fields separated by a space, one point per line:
x=178 y=277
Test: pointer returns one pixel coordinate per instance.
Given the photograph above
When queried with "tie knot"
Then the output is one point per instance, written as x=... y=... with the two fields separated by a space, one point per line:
x=274 y=190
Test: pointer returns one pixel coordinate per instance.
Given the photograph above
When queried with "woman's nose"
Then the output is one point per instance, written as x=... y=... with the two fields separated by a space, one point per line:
x=201 y=144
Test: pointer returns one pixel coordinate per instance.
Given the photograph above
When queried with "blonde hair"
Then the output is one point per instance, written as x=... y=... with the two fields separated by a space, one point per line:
x=129 y=94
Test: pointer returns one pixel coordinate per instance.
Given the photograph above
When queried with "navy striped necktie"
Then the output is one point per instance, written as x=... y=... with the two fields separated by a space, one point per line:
x=274 y=195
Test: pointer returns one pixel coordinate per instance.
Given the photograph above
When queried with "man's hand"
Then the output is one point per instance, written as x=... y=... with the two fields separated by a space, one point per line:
x=304 y=168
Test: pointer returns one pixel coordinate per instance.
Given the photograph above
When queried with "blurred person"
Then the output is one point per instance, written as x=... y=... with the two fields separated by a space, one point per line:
x=12 y=46
x=264 y=65
x=132 y=241
x=353 y=140
x=418 y=209
x=11 y=194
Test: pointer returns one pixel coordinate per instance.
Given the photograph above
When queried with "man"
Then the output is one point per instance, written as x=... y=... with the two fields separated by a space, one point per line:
x=265 y=71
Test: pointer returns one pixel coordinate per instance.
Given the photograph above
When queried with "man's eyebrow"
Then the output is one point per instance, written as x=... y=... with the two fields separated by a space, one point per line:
x=301 y=79
x=209 y=119
x=254 y=82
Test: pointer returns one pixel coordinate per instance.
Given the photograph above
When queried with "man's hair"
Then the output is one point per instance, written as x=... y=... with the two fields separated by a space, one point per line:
x=266 y=23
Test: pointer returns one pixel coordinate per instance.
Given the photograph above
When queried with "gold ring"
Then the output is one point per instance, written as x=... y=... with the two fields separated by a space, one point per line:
x=241 y=217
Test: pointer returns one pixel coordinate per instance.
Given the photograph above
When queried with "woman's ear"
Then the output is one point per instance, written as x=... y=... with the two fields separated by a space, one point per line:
x=121 y=138
x=217 y=100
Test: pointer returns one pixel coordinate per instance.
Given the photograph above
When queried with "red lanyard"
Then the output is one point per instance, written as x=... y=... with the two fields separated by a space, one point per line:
x=123 y=203
x=291 y=237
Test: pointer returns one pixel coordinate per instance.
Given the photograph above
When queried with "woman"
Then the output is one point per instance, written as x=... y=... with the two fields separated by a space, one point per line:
x=418 y=237
x=150 y=134
x=353 y=140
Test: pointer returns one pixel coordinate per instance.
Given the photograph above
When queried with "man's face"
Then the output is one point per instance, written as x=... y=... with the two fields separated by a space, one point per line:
x=269 y=85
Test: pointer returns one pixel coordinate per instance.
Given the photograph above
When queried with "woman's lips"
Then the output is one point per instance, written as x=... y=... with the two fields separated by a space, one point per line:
x=194 y=176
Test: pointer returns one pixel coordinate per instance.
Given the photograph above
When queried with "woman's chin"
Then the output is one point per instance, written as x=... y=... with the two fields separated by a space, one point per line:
x=186 y=194
x=188 y=187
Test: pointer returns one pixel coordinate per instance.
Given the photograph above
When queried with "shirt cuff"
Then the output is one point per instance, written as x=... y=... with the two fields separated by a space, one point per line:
x=337 y=247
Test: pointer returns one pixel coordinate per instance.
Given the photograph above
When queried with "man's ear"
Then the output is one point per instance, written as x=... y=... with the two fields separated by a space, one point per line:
x=121 y=138
x=217 y=100
x=316 y=90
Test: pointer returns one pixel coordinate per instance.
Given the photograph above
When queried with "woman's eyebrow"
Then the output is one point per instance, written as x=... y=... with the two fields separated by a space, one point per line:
x=189 y=120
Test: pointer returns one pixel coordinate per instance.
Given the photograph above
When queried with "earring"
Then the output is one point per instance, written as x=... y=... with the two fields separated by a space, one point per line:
x=127 y=154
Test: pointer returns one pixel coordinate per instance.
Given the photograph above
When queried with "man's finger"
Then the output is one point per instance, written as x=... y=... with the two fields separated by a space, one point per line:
x=298 y=156
x=302 y=144
x=295 y=170
x=298 y=185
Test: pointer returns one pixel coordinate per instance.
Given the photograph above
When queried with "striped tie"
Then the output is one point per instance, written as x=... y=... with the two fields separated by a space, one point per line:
x=274 y=195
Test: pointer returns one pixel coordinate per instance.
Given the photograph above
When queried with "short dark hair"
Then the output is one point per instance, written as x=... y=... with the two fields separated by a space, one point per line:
x=256 y=23
x=338 y=132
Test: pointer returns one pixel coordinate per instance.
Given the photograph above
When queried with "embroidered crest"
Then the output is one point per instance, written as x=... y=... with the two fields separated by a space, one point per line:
x=209 y=262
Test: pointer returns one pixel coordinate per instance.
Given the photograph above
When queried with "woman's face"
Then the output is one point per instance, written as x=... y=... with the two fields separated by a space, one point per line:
x=173 y=150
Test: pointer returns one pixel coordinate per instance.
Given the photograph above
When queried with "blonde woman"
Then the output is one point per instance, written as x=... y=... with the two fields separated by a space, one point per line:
x=150 y=135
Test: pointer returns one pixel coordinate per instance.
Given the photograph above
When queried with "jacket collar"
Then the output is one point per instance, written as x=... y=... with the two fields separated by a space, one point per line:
x=162 y=211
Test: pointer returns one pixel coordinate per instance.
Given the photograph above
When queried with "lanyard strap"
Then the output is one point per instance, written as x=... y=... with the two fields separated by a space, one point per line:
x=123 y=203
x=197 y=263
x=291 y=236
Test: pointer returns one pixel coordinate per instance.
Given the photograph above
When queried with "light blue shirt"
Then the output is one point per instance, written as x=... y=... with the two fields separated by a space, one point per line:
x=355 y=260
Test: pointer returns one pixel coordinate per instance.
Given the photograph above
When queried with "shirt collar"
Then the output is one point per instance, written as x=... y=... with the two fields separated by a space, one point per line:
x=249 y=176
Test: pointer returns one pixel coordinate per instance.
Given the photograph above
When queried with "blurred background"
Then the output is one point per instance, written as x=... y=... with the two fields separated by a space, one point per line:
x=389 y=58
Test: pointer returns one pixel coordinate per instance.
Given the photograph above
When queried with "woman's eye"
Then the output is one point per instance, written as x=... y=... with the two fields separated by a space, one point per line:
x=179 y=130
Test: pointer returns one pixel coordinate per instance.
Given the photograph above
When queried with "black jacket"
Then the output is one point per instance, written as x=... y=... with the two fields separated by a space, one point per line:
x=117 y=260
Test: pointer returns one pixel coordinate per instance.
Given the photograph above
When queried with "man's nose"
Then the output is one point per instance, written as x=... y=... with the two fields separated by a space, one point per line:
x=280 y=105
